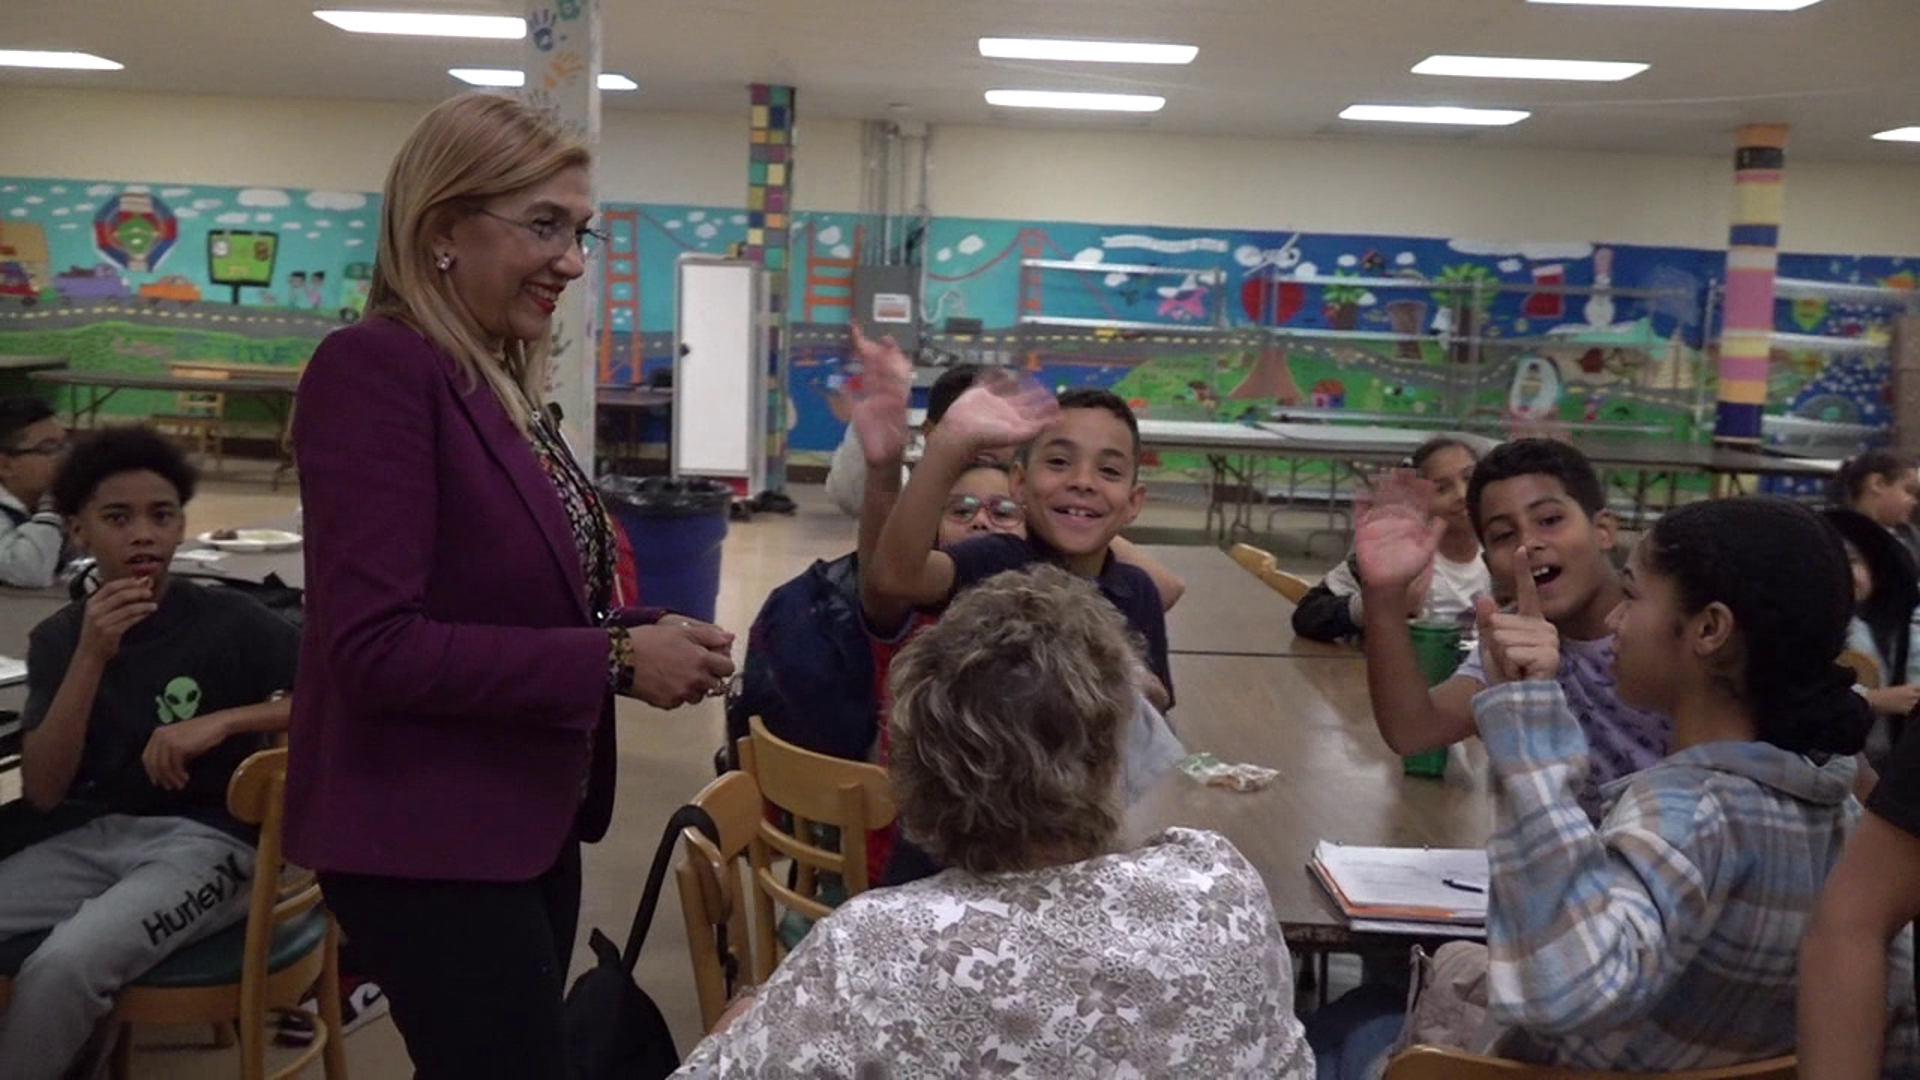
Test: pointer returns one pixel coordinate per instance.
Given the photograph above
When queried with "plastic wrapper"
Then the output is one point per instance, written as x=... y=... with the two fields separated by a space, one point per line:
x=1213 y=772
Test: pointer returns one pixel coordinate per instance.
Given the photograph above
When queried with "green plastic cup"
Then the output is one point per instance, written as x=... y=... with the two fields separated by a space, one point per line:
x=1431 y=764
x=1436 y=645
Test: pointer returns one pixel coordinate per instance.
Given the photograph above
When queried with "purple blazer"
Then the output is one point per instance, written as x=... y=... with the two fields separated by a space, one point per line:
x=453 y=696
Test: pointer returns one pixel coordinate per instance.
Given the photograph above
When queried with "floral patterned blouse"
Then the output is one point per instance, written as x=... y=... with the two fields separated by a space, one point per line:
x=593 y=537
x=1163 y=961
x=586 y=514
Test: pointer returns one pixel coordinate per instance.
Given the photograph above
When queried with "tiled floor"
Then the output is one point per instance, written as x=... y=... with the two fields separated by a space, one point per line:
x=665 y=757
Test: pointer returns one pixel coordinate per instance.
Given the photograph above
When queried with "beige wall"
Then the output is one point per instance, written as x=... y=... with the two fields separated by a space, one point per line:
x=1407 y=187
x=1415 y=187
x=346 y=145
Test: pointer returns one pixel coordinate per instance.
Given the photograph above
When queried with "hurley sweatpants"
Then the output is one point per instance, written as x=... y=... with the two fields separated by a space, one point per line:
x=119 y=894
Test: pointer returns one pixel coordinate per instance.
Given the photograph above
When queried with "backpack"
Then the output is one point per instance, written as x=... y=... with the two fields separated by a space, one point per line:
x=614 y=1031
x=808 y=672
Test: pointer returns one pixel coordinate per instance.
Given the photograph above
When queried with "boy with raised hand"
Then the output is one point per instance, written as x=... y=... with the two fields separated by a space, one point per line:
x=142 y=699
x=1540 y=510
x=878 y=425
x=1078 y=480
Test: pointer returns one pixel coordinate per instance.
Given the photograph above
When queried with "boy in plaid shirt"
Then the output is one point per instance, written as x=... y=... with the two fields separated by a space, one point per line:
x=1666 y=937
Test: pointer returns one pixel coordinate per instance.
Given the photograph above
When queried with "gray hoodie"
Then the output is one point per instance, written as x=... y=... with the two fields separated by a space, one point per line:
x=32 y=546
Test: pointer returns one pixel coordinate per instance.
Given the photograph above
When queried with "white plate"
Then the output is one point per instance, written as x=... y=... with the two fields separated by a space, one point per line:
x=254 y=540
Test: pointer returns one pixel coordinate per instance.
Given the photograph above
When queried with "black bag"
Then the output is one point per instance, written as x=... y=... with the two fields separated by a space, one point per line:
x=808 y=671
x=614 y=1030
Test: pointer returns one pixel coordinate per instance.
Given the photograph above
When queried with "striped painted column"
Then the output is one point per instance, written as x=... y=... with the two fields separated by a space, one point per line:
x=1753 y=253
x=770 y=243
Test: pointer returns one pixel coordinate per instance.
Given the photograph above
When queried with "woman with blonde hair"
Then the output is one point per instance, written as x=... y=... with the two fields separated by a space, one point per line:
x=464 y=640
x=1045 y=949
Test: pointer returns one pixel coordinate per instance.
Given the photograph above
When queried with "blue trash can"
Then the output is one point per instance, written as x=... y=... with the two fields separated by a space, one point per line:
x=676 y=528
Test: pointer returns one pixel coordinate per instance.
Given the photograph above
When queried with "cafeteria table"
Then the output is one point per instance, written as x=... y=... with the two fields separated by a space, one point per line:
x=275 y=392
x=1312 y=721
x=1229 y=612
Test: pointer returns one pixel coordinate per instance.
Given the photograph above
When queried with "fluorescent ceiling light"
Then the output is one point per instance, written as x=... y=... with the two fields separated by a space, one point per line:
x=427 y=24
x=1099 y=52
x=1057 y=99
x=1704 y=5
x=62 y=61
x=1905 y=134
x=489 y=76
x=512 y=78
x=1517 y=67
x=1434 y=114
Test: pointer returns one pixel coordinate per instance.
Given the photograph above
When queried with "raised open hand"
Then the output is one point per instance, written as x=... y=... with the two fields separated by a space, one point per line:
x=1395 y=540
x=881 y=396
x=1417 y=593
x=1002 y=409
x=1523 y=645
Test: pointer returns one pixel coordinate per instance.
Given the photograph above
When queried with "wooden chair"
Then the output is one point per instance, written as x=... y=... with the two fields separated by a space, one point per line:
x=199 y=416
x=813 y=789
x=287 y=946
x=1866 y=670
x=1434 y=1063
x=1261 y=565
x=709 y=879
x=283 y=445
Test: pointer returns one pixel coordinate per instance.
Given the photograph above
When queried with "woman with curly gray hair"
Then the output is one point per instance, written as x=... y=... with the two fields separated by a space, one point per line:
x=1043 y=950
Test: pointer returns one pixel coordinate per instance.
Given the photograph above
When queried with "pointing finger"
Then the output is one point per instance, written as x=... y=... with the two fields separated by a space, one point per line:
x=1491 y=660
x=1525 y=592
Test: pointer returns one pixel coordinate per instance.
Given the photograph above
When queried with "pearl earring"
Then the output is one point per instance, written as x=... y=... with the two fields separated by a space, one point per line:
x=444 y=263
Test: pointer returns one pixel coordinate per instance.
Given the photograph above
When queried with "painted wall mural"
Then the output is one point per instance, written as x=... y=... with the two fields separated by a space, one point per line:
x=1374 y=323
x=1185 y=323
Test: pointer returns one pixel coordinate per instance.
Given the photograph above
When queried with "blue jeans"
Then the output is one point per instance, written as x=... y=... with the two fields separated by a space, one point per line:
x=1350 y=1034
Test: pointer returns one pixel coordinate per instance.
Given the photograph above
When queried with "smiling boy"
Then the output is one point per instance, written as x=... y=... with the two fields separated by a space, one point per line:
x=1543 y=497
x=142 y=699
x=1078 y=480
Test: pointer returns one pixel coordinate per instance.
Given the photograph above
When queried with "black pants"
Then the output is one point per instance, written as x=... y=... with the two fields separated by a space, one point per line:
x=475 y=972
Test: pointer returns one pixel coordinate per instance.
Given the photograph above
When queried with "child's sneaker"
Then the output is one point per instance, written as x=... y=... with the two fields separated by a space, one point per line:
x=361 y=1001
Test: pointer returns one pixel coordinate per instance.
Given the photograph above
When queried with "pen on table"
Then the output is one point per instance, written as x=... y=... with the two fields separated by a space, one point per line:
x=1463 y=886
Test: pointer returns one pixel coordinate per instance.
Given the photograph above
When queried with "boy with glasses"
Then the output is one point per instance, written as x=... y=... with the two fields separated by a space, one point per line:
x=32 y=537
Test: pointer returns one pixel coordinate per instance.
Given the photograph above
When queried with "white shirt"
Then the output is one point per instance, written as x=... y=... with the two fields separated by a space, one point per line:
x=1455 y=584
x=1449 y=595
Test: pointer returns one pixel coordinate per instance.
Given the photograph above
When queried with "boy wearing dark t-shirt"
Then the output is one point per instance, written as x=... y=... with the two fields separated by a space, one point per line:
x=142 y=699
x=1078 y=479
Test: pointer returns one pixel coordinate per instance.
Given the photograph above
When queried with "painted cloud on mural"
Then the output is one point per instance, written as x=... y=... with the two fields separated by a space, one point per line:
x=263 y=197
x=1538 y=252
x=335 y=200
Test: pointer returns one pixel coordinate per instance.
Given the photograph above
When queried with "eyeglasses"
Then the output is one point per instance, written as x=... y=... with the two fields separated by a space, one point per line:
x=962 y=509
x=43 y=448
x=551 y=234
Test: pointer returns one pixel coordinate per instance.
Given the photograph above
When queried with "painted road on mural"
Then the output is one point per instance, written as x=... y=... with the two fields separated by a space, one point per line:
x=230 y=318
